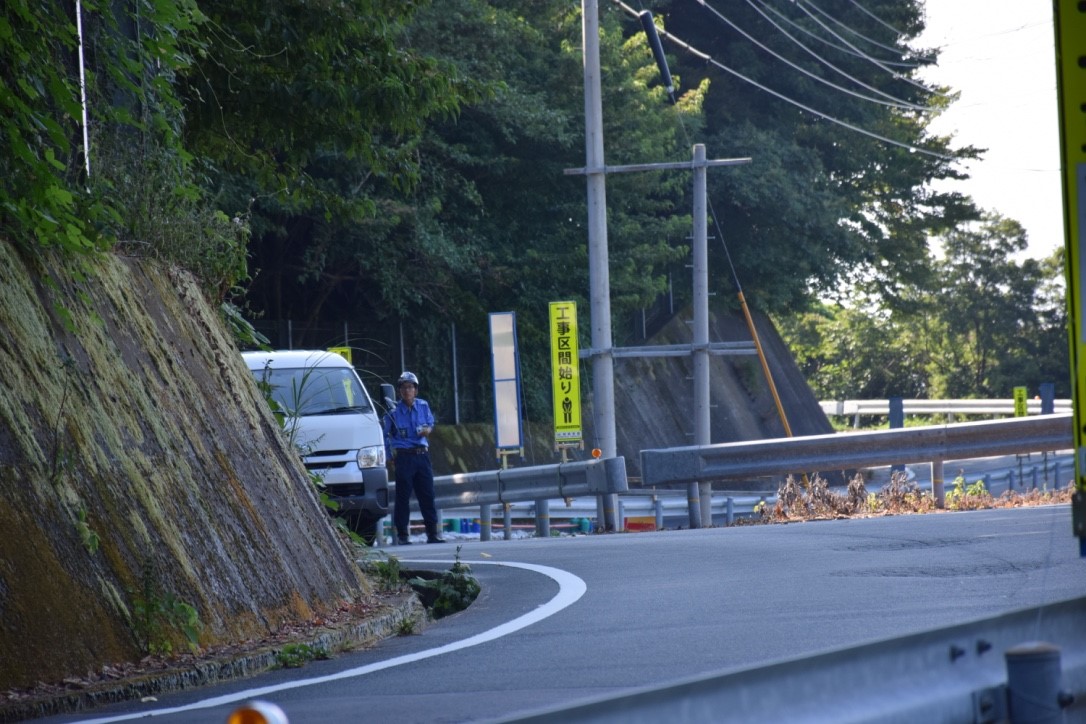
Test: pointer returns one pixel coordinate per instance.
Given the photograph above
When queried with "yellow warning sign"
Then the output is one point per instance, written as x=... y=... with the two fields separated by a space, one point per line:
x=1070 y=17
x=344 y=352
x=1021 y=407
x=565 y=373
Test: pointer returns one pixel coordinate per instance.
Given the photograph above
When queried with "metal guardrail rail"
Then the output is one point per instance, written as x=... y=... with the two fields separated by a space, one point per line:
x=852 y=408
x=960 y=673
x=539 y=482
x=742 y=463
x=801 y=455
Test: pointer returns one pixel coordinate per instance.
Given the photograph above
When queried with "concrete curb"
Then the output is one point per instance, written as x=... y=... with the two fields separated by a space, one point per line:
x=359 y=634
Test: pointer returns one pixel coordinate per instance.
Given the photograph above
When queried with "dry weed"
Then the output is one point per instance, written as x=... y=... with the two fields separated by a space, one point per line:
x=856 y=494
x=900 y=495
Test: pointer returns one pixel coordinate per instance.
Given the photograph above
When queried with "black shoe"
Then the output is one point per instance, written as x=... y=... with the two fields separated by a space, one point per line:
x=434 y=539
x=403 y=540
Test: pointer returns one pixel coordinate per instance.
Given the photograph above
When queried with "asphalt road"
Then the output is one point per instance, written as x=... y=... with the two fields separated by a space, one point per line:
x=598 y=615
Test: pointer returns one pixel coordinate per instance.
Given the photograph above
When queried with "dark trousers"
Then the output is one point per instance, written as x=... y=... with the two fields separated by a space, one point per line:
x=414 y=473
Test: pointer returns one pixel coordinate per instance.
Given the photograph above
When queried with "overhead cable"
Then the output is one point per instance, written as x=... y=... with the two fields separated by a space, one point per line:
x=844 y=124
x=877 y=19
x=874 y=61
x=826 y=41
x=854 y=31
x=894 y=101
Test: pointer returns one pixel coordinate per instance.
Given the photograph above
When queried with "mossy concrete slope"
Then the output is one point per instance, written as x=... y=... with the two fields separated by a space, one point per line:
x=138 y=461
x=654 y=396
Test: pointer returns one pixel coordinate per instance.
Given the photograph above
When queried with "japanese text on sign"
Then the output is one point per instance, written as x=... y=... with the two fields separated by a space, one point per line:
x=566 y=380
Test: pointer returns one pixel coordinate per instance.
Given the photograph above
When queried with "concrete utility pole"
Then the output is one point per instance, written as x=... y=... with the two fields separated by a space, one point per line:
x=602 y=353
x=603 y=372
x=700 y=351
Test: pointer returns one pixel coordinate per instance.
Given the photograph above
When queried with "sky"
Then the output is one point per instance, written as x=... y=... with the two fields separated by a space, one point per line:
x=1000 y=55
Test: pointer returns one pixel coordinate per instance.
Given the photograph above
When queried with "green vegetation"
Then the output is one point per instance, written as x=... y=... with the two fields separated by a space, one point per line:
x=424 y=173
x=965 y=496
x=983 y=323
x=442 y=594
x=87 y=535
x=385 y=569
x=453 y=591
x=293 y=656
x=160 y=620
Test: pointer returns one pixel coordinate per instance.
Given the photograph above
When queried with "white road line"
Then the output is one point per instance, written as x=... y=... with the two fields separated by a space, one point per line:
x=570 y=589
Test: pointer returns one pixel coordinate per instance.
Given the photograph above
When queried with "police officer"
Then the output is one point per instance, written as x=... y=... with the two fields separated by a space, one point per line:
x=407 y=427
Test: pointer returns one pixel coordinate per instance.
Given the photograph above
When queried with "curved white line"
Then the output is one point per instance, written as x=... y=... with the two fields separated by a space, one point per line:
x=570 y=589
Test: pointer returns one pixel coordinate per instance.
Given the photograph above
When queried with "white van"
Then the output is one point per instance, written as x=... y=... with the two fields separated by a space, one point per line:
x=331 y=418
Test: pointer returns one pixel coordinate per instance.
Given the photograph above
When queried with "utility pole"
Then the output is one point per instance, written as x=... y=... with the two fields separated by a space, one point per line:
x=699 y=496
x=700 y=351
x=603 y=371
x=602 y=353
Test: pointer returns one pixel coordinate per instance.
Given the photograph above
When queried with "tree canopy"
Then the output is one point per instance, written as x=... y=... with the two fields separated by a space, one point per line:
x=382 y=162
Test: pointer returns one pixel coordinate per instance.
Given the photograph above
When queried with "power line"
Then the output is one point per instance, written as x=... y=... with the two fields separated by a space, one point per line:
x=877 y=19
x=855 y=32
x=874 y=61
x=894 y=101
x=844 y=124
x=826 y=41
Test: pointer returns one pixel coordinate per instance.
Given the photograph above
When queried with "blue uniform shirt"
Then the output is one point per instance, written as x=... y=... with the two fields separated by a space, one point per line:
x=402 y=424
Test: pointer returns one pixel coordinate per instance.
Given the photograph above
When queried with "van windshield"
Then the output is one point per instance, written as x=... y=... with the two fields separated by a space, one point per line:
x=314 y=390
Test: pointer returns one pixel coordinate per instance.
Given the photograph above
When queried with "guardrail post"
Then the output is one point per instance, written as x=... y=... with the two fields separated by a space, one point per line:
x=1033 y=683
x=620 y=523
x=543 y=518
x=938 y=488
x=1048 y=398
x=693 y=502
x=1010 y=479
x=896 y=419
x=729 y=511
x=486 y=519
x=658 y=508
x=507 y=519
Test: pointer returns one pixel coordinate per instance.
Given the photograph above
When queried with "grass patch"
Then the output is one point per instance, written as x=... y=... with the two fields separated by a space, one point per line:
x=293 y=656
x=447 y=593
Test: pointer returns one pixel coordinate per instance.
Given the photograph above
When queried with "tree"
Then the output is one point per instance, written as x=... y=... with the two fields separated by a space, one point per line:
x=309 y=116
x=489 y=221
x=48 y=200
x=988 y=323
x=983 y=312
x=822 y=207
x=1050 y=342
x=495 y=176
x=857 y=353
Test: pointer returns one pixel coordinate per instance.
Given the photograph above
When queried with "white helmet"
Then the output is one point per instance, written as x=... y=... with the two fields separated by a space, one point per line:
x=407 y=377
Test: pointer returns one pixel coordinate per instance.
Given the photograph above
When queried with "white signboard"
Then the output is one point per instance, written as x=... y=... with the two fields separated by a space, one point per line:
x=503 y=354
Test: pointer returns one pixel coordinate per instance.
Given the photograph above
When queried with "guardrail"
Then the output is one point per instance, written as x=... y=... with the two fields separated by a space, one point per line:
x=578 y=514
x=820 y=453
x=987 y=671
x=563 y=480
x=538 y=484
x=743 y=462
x=860 y=408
